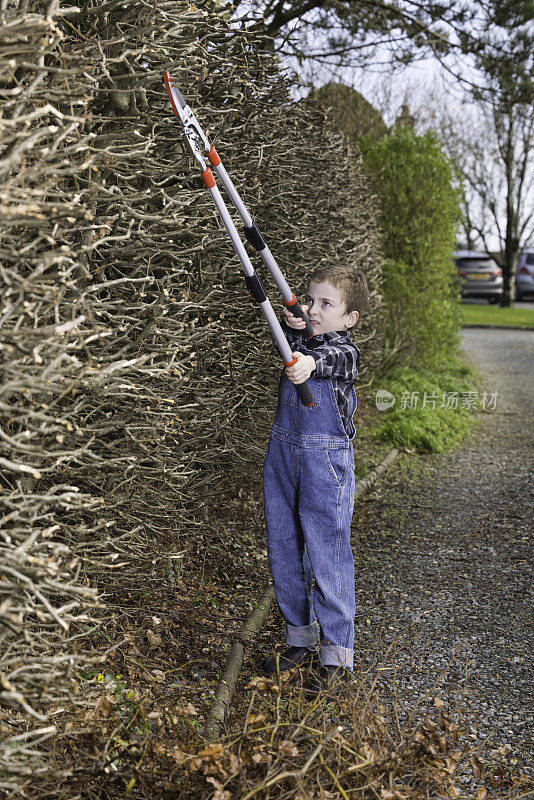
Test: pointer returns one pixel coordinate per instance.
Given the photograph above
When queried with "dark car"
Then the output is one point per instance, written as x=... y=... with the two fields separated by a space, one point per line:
x=524 y=274
x=479 y=275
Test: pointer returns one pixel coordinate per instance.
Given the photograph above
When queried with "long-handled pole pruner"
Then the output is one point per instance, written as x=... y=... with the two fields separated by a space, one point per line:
x=201 y=149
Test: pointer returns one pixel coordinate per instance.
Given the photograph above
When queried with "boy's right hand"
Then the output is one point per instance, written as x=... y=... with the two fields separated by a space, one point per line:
x=296 y=323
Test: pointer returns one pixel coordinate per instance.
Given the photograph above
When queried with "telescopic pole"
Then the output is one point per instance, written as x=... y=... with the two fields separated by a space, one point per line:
x=254 y=236
x=197 y=141
x=251 y=230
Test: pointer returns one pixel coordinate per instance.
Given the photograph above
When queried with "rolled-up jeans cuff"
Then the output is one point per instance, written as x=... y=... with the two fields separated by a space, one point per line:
x=307 y=636
x=337 y=656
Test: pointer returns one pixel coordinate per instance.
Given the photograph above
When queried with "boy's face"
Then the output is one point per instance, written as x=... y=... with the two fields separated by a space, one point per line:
x=326 y=309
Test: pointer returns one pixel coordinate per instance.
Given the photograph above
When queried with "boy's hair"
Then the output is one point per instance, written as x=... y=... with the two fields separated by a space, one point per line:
x=351 y=284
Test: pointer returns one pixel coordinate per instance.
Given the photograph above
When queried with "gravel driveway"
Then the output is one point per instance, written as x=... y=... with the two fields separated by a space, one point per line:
x=444 y=570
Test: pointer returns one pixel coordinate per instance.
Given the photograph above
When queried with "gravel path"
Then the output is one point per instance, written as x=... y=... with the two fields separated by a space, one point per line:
x=444 y=568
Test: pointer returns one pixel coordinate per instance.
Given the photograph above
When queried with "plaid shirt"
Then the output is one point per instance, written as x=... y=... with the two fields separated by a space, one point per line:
x=336 y=357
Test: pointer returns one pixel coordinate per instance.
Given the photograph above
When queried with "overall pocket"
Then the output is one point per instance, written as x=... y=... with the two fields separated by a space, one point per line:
x=291 y=398
x=337 y=462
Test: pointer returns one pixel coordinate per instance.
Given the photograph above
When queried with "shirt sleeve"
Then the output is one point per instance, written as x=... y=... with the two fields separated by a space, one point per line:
x=338 y=360
x=293 y=337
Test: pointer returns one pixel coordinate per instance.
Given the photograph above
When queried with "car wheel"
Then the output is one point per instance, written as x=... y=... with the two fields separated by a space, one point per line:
x=493 y=300
x=517 y=295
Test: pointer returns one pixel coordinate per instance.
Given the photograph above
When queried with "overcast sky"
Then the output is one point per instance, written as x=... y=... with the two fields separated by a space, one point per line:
x=421 y=84
x=388 y=89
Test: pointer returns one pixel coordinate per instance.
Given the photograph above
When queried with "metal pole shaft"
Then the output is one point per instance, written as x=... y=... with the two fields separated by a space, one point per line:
x=265 y=253
x=265 y=305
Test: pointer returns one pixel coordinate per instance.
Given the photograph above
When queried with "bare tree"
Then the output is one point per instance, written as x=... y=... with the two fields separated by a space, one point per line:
x=494 y=158
x=490 y=137
x=507 y=97
x=361 y=33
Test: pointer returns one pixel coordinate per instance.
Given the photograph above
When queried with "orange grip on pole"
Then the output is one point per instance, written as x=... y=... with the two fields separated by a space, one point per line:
x=290 y=363
x=213 y=157
x=207 y=177
x=290 y=302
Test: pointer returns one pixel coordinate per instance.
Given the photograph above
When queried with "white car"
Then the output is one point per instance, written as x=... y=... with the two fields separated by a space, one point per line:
x=524 y=274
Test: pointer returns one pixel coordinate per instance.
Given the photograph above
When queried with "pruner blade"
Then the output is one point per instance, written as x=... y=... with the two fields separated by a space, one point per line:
x=192 y=132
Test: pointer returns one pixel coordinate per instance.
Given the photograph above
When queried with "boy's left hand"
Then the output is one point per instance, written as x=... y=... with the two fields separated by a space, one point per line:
x=296 y=323
x=302 y=370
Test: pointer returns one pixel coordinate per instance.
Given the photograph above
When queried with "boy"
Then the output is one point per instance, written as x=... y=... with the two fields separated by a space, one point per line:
x=308 y=482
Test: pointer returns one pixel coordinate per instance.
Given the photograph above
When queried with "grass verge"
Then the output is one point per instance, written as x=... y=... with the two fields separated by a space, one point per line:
x=429 y=412
x=495 y=315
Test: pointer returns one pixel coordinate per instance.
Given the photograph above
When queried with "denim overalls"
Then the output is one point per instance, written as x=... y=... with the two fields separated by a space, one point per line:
x=308 y=486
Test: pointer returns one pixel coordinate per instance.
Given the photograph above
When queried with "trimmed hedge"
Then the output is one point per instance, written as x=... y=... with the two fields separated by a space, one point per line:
x=137 y=379
x=419 y=218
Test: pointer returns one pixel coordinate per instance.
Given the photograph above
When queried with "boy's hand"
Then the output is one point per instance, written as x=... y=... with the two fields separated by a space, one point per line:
x=294 y=322
x=302 y=370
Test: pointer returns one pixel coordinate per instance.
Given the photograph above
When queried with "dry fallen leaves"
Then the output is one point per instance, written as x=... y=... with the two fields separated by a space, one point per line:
x=476 y=765
x=252 y=718
x=187 y=710
x=263 y=685
x=261 y=754
x=211 y=750
x=288 y=748
x=153 y=638
x=452 y=762
x=220 y=792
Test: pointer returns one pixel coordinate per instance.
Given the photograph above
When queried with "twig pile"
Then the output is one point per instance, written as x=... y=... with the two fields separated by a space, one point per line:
x=133 y=377
x=289 y=747
x=49 y=518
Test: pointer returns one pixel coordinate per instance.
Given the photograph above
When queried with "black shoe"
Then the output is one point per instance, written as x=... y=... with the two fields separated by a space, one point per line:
x=292 y=657
x=332 y=680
